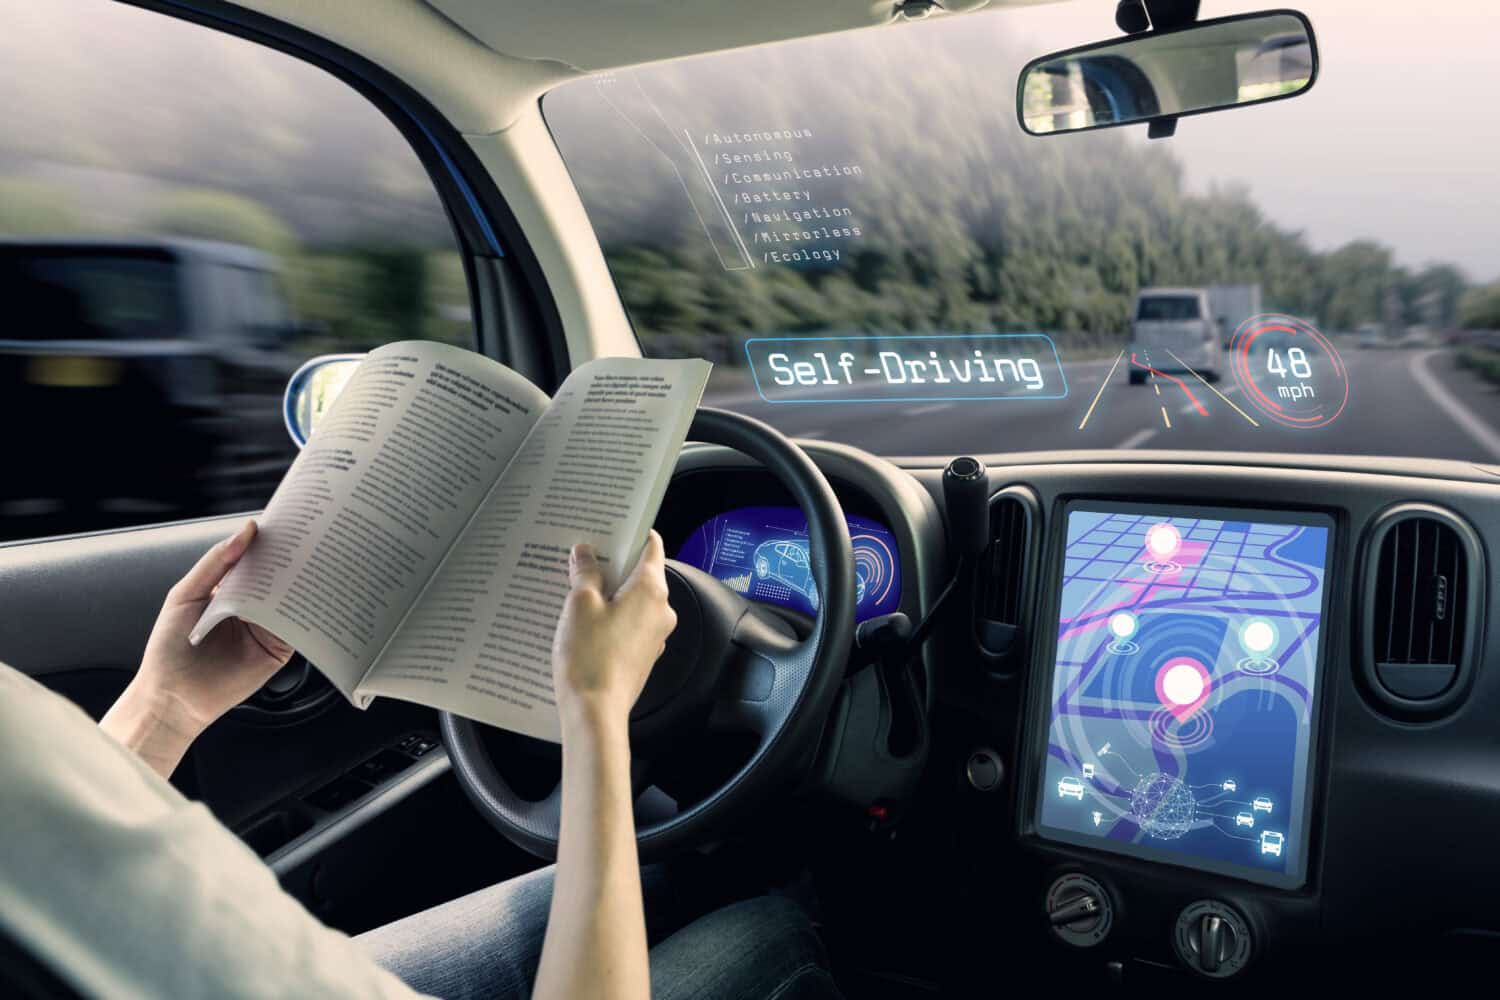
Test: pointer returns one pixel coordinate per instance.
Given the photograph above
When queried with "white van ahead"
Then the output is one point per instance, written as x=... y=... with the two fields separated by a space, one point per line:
x=1174 y=329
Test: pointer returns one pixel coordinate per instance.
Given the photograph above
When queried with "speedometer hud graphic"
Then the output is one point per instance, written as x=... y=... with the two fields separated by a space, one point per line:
x=761 y=552
x=1182 y=696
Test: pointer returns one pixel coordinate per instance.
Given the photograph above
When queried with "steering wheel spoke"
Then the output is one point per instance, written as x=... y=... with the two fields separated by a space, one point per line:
x=764 y=666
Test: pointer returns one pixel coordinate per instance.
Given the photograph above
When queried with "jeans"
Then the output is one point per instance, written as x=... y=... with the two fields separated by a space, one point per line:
x=488 y=943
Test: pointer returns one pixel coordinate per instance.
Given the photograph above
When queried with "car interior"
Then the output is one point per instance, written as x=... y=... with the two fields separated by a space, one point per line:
x=1110 y=672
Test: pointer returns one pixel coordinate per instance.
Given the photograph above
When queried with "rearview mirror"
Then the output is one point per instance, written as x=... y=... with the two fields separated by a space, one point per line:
x=1228 y=62
x=311 y=390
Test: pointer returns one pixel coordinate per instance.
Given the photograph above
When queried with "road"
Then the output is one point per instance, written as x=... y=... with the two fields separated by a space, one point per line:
x=1415 y=403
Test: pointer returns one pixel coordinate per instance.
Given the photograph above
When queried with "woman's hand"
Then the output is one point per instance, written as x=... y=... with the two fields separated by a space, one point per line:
x=180 y=688
x=604 y=649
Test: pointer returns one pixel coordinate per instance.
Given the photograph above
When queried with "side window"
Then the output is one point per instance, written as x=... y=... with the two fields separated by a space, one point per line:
x=170 y=253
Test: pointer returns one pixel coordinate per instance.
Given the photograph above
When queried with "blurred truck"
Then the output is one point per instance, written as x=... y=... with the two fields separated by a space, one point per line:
x=1232 y=305
x=150 y=372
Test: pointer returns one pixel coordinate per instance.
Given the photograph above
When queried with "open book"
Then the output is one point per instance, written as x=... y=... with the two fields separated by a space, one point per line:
x=418 y=547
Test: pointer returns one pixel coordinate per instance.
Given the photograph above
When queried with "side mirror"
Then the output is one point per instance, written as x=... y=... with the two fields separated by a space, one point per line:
x=311 y=391
x=1227 y=62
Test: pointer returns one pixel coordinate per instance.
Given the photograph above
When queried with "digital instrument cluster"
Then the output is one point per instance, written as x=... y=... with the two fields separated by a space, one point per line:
x=1183 y=692
x=761 y=552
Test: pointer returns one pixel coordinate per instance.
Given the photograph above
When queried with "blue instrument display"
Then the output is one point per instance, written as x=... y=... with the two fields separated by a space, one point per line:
x=761 y=552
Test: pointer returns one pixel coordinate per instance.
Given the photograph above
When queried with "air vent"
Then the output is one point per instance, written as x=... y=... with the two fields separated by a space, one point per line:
x=1000 y=586
x=1421 y=606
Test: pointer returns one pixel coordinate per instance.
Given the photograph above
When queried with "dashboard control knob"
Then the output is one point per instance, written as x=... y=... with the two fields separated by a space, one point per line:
x=1212 y=939
x=1079 y=910
x=985 y=770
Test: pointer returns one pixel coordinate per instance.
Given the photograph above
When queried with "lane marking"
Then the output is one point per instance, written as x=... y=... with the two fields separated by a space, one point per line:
x=1172 y=378
x=1216 y=392
x=1166 y=419
x=917 y=411
x=1138 y=438
x=1480 y=432
x=820 y=432
x=1102 y=386
x=1157 y=387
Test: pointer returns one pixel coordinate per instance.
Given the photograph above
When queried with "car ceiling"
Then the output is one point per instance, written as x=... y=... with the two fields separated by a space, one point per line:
x=482 y=62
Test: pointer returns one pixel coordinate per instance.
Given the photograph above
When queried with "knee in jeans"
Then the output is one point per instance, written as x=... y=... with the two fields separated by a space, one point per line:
x=777 y=926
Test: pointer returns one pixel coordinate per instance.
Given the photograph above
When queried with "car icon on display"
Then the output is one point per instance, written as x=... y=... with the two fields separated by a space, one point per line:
x=1271 y=841
x=1244 y=819
x=1261 y=805
x=1230 y=786
x=786 y=563
x=1070 y=788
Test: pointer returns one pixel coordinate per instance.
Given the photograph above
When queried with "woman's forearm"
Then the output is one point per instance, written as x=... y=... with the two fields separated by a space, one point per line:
x=596 y=934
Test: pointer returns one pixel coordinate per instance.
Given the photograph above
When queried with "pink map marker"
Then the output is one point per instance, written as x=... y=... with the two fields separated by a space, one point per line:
x=1163 y=541
x=1183 y=685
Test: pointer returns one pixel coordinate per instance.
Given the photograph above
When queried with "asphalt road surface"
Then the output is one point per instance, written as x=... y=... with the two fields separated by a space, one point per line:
x=1410 y=403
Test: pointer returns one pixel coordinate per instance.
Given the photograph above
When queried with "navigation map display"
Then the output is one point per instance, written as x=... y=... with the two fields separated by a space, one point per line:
x=1183 y=695
x=761 y=552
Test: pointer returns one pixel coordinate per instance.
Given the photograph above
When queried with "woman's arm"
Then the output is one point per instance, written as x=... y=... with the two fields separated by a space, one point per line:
x=604 y=650
x=181 y=688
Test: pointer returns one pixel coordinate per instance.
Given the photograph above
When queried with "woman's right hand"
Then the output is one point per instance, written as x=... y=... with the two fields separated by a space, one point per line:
x=604 y=649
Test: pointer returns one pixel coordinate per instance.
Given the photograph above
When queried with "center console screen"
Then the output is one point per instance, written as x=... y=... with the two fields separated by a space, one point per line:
x=1184 y=688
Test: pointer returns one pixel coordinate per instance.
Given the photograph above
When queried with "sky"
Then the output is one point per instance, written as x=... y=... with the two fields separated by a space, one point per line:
x=1397 y=140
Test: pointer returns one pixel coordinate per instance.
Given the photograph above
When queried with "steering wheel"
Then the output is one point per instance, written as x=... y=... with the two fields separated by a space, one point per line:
x=730 y=667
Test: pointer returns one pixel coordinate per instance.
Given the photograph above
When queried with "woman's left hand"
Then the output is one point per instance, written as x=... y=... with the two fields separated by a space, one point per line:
x=181 y=688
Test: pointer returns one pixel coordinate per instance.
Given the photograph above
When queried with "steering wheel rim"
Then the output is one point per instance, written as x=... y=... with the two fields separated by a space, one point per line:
x=786 y=718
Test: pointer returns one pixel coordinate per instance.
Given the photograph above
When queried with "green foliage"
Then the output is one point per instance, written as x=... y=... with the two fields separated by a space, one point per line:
x=1483 y=362
x=202 y=213
x=360 y=297
x=449 y=316
x=30 y=207
x=393 y=288
x=1479 y=309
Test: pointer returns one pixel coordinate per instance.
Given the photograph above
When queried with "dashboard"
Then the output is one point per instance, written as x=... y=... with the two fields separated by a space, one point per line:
x=1240 y=695
x=1251 y=693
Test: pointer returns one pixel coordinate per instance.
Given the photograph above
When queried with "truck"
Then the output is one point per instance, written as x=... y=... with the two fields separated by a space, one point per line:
x=1232 y=305
x=156 y=367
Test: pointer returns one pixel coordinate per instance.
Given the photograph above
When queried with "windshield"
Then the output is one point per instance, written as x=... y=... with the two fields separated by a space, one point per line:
x=774 y=208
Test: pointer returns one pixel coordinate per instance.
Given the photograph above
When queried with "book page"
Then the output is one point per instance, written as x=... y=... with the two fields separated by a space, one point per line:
x=394 y=470
x=479 y=641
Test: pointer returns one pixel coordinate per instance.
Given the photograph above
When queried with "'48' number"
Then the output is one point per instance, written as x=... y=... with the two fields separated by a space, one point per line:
x=1298 y=361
